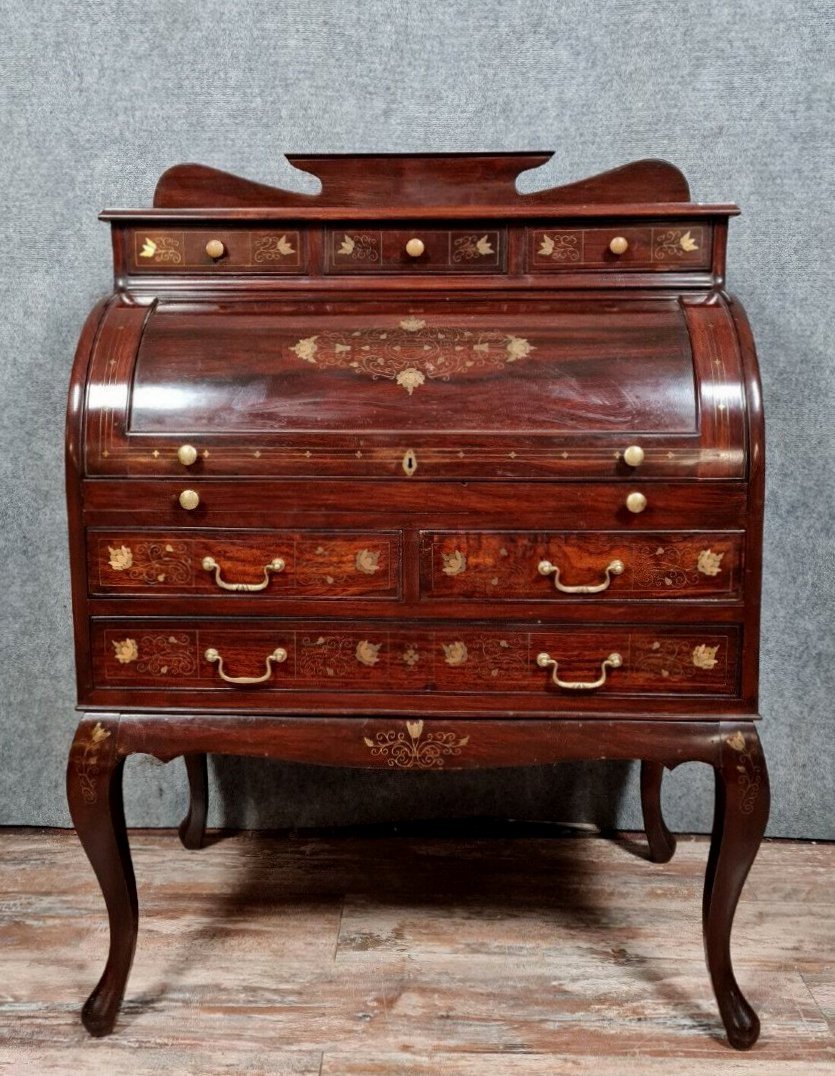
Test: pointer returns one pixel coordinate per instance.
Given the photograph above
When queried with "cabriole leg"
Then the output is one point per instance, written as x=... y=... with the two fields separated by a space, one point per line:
x=193 y=826
x=661 y=842
x=742 y=802
x=94 y=791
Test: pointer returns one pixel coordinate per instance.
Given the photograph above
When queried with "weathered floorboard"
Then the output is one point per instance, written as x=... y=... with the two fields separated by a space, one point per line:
x=405 y=956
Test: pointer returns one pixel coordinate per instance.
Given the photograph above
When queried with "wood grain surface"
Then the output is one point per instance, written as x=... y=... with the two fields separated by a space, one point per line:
x=364 y=953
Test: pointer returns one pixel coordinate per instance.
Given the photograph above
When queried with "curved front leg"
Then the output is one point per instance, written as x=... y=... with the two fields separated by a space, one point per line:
x=661 y=842
x=94 y=791
x=742 y=802
x=193 y=827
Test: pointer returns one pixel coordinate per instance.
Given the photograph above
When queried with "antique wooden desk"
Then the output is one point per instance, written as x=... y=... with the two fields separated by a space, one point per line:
x=418 y=472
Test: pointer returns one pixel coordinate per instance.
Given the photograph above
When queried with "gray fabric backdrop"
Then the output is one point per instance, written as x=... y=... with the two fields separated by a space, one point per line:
x=99 y=98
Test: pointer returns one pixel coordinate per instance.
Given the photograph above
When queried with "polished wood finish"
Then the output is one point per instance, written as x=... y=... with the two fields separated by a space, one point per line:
x=418 y=473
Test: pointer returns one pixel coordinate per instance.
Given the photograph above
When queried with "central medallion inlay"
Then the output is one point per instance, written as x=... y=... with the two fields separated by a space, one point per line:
x=412 y=353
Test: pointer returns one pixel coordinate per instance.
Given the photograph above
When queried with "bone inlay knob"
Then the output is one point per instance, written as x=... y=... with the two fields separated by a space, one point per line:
x=215 y=249
x=415 y=247
x=636 y=502
x=619 y=245
x=189 y=499
x=633 y=456
x=186 y=454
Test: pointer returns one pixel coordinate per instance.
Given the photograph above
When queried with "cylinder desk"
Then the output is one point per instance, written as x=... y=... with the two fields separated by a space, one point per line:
x=419 y=472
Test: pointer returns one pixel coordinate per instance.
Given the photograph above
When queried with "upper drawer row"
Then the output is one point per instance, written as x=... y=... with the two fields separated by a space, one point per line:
x=477 y=248
x=513 y=566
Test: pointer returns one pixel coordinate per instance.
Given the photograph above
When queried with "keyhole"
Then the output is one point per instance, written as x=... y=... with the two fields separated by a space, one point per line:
x=410 y=463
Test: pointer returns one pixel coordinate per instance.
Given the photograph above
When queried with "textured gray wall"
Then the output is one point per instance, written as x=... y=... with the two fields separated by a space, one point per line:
x=101 y=97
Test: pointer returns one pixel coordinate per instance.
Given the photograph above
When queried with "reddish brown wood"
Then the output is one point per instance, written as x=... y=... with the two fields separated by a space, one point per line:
x=410 y=437
x=459 y=179
x=94 y=791
x=740 y=817
x=662 y=844
x=192 y=829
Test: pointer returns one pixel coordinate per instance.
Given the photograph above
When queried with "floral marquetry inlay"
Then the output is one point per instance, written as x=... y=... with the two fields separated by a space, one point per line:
x=368 y=653
x=368 y=561
x=454 y=562
x=271 y=248
x=412 y=750
x=704 y=657
x=709 y=563
x=411 y=354
x=125 y=651
x=359 y=247
x=121 y=557
x=470 y=247
x=154 y=563
x=675 y=243
x=164 y=248
x=749 y=771
x=560 y=246
x=455 y=653
x=87 y=762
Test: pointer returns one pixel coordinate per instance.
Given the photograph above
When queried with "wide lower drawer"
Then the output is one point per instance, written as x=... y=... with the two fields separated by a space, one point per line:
x=381 y=659
x=613 y=565
x=312 y=564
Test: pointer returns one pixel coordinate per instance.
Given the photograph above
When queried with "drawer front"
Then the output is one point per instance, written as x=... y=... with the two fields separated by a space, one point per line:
x=673 y=246
x=524 y=566
x=472 y=250
x=299 y=564
x=454 y=659
x=279 y=250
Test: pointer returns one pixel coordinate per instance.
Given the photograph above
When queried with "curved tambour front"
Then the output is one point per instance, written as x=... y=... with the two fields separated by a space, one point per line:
x=646 y=388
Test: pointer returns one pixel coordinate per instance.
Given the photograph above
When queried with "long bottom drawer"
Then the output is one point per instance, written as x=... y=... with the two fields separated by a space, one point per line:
x=450 y=658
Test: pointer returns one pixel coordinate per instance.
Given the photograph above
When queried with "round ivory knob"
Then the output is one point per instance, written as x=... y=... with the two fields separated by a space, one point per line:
x=633 y=456
x=415 y=247
x=215 y=249
x=187 y=454
x=619 y=245
x=189 y=499
x=636 y=502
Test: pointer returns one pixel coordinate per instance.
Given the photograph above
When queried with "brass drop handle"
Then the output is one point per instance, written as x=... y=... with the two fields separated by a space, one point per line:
x=215 y=249
x=633 y=456
x=613 y=661
x=278 y=655
x=636 y=502
x=275 y=565
x=415 y=247
x=619 y=245
x=189 y=499
x=615 y=567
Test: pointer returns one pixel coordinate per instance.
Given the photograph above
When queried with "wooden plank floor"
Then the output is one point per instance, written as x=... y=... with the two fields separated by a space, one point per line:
x=412 y=955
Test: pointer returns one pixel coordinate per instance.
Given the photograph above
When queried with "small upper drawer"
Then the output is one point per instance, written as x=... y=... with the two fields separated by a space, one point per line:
x=668 y=246
x=419 y=250
x=524 y=566
x=273 y=563
x=217 y=250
